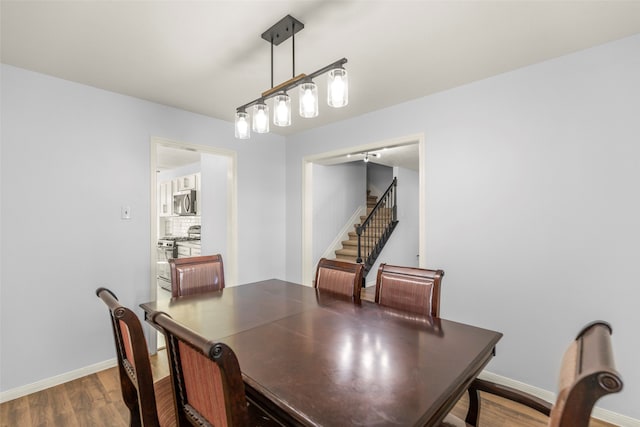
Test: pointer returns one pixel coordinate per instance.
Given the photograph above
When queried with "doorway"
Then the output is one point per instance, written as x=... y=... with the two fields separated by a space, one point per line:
x=416 y=142
x=211 y=173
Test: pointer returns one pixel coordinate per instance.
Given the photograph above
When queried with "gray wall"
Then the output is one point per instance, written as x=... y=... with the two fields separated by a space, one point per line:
x=532 y=204
x=72 y=155
x=337 y=192
x=379 y=178
x=213 y=204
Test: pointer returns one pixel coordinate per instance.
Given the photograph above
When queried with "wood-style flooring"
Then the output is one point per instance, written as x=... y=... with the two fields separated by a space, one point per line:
x=96 y=401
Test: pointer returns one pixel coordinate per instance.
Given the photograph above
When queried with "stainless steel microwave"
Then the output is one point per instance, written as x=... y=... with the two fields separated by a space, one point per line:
x=184 y=202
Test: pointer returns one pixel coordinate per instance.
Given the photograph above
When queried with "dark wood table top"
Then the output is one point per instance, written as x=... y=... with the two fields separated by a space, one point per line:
x=315 y=359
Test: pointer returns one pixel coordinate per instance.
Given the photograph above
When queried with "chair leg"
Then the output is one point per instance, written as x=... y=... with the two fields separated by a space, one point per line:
x=474 y=406
x=134 y=419
x=130 y=398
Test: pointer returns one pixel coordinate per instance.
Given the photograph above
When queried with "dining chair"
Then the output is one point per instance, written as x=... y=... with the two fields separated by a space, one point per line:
x=150 y=404
x=415 y=290
x=208 y=384
x=339 y=277
x=195 y=275
x=587 y=373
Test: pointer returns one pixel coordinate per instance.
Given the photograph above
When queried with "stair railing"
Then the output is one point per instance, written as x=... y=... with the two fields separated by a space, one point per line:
x=376 y=228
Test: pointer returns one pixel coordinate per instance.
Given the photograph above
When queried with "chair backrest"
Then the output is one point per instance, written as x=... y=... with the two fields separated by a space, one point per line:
x=206 y=376
x=415 y=290
x=195 y=275
x=586 y=374
x=136 y=379
x=339 y=277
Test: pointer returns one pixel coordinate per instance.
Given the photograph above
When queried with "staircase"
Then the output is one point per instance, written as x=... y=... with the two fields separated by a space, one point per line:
x=374 y=230
x=349 y=251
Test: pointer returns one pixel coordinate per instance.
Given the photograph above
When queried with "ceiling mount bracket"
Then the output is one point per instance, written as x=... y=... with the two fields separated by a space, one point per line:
x=282 y=30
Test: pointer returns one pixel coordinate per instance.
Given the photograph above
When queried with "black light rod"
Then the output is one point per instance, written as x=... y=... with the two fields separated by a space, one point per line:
x=313 y=75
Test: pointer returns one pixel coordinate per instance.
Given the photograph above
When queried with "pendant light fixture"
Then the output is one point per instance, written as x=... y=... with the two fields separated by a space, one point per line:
x=337 y=87
x=338 y=92
x=282 y=110
x=243 y=131
x=260 y=118
x=308 y=100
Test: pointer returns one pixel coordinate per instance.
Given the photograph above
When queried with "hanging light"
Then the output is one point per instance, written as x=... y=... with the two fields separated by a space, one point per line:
x=284 y=29
x=366 y=156
x=243 y=131
x=338 y=88
x=261 y=118
x=282 y=110
x=308 y=100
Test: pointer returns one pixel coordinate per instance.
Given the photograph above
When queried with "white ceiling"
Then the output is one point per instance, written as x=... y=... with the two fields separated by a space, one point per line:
x=208 y=57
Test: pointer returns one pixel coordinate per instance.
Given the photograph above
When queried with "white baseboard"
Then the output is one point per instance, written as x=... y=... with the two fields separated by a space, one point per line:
x=24 y=390
x=599 y=413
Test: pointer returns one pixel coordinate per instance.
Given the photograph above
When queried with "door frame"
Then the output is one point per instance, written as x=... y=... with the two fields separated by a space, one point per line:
x=231 y=263
x=308 y=268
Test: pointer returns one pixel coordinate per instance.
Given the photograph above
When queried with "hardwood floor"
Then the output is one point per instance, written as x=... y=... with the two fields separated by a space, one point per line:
x=95 y=401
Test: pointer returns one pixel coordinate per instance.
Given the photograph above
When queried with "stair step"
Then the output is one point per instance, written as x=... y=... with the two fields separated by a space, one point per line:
x=372 y=231
x=380 y=216
x=350 y=243
x=382 y=208
x=347 y=252
x=346 y=258
x=353 y=236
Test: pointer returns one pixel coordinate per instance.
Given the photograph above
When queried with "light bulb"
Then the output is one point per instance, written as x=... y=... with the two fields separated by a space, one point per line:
x=337 y=88
x=282 y=111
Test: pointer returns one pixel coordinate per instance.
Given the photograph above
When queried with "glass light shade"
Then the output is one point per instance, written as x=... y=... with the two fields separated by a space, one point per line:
x=243 y=130
x=308 y=100
x=261 y=118
x=338 y=88
x=282 y=110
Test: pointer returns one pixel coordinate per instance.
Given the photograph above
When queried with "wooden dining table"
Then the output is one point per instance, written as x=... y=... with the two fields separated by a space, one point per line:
x=315 y=359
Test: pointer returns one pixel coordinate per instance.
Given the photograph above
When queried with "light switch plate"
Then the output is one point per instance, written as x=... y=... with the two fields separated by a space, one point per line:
x=125 y=212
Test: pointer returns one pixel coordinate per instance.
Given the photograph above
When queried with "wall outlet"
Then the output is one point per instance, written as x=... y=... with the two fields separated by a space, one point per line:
x=125 y=212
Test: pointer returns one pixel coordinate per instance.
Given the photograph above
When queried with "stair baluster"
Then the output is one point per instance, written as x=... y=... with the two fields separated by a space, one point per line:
x=375 y=230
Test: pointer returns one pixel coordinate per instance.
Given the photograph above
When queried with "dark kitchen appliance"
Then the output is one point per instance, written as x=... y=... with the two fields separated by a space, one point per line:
x=184 y=202
x=167 y=248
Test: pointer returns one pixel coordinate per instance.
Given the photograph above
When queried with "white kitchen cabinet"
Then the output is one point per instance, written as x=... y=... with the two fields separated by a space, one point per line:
x=165 y=198
x=188 y=249
x=184 y=251
x=187 y=182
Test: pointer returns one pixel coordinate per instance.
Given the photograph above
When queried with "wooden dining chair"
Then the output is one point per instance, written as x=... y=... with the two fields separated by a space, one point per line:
x=209 y=390
x=195 y=275
x=415 y=290
x=150 y=404
x=587 y=373
x=339 y=277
